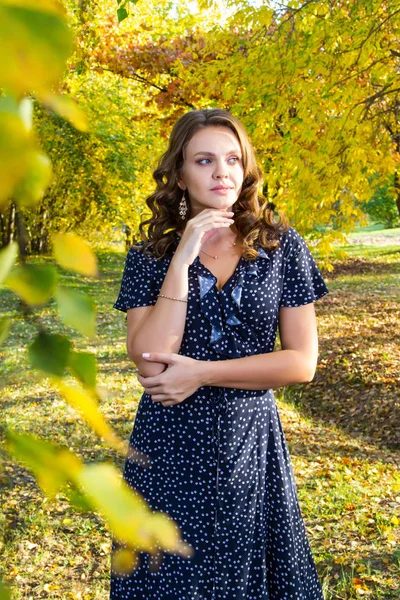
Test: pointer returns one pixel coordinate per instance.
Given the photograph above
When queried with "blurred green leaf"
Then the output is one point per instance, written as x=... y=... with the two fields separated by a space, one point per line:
x=35 y=43
x=83 y=366
x=34 y=283
x=35 y=180
x=7 y=259
x=76 y=309
x=72 y=252
x=5 y=593
x=68 y=109
x=49 y=352
x=87 y=407
x=5 y=325
x=52 y=465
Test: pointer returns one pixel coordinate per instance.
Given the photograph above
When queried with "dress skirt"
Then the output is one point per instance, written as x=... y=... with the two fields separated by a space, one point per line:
x=220 y=468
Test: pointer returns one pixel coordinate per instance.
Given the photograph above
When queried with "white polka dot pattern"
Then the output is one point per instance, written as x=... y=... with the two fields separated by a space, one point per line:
x=219 y=461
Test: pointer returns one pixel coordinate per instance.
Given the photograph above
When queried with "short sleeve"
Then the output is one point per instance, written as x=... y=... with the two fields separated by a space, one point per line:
x=302 y=280
x=139 y=282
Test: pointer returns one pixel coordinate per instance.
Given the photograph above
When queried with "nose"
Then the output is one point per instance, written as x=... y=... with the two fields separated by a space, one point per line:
x=221 y=170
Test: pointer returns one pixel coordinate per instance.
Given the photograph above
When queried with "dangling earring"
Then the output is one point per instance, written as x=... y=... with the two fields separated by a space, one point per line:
x=183 y=207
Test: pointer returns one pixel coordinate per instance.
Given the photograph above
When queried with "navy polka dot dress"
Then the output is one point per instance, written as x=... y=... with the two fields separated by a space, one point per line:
x=219 y=463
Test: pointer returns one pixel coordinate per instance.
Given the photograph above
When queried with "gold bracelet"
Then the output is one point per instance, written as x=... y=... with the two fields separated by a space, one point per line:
x=169 y=298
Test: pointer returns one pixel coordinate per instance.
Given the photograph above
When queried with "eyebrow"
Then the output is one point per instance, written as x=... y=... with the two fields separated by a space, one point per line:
x=233 y=151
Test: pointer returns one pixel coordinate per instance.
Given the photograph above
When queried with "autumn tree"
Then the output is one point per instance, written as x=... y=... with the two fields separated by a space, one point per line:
x=311 y=82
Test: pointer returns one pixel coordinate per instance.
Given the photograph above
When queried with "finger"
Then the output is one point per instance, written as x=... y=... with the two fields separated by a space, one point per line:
x=148 y=381
x=162 y=398
x=168 y=359
x=157 y=389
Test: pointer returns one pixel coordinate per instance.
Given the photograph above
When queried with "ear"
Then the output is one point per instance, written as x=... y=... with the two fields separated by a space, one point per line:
x=181 y=184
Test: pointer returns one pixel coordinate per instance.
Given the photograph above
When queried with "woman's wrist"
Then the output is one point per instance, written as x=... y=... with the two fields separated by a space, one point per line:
x=205 y=372
x=178 y=264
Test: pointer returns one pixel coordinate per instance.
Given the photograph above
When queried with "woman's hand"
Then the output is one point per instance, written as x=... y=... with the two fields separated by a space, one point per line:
x=180 y=380
x=198 y=230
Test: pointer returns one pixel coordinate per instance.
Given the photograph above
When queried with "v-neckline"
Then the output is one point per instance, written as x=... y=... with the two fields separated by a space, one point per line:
x=239 y=262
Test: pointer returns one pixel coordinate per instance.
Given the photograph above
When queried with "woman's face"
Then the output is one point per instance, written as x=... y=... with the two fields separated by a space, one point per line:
x=212 y=173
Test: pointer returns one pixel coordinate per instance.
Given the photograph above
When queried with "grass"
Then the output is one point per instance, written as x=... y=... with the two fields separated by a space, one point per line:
x=341 y=430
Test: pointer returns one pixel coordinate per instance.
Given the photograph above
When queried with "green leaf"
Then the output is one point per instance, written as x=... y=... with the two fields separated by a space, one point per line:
x=76 y=310
x=35 y=42
x=72 y=252
x=52 y=465
x=69 y=110
x=35 y=181
x=5 y=325
x=83 y=366
x=122 y=13
x=5 y=593
x=34 y=283
x=7 y=259
x=49 y=352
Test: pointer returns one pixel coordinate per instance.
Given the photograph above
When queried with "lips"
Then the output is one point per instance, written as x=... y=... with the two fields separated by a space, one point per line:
x=216 y=189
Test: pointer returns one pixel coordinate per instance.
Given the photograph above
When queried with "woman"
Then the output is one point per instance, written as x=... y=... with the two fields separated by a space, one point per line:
x=204 y=294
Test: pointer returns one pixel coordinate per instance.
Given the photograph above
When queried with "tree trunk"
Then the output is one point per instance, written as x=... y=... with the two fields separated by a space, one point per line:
x=397 y=188
x=10 y=235
x=3 y=230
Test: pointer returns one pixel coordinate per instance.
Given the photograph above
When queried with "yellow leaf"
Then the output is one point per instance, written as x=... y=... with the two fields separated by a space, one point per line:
x=124 y=561
x=73 y=253
x=7 y=259
x=88 y=409
x=394 y=520
x=35 y=42
x=36 y=178
x=67 y=109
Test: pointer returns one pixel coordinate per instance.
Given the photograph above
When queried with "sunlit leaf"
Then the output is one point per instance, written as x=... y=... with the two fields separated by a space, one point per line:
x=35 y=181
x=88 y=408
x=83 y=366
x=52 y=465
x=73 y=253
x=49 y=353
x=35 y=42
x=76 y=309
x=5 y=325
x=124 y=509
x=165 y=532
x=26 y=111
x=124 y=561
x=34 y=283
x=7 y=259
x=15 y=151
x=68 y=109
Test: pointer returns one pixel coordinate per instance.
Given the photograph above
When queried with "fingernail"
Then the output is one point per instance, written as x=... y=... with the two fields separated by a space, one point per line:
x=145 y=355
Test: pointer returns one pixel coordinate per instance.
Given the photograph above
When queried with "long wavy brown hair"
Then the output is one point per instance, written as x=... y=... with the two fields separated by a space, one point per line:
x=254 y=216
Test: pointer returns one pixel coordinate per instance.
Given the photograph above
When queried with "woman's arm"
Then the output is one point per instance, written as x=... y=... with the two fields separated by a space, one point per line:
x=295 y=363
x=160 y=327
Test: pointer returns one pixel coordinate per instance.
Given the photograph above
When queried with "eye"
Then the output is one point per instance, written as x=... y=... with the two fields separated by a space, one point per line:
x=202 y=161
x=233 y=159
